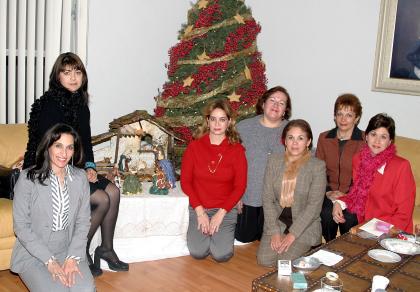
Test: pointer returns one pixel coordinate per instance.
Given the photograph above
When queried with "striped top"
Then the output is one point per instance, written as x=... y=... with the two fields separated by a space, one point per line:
x=60 y=200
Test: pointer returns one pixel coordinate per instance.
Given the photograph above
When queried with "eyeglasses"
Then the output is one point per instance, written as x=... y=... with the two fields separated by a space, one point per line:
x=348 y=115
x=273 y=101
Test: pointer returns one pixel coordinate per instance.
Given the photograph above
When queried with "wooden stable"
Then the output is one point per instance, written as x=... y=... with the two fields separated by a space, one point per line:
x=138 y=125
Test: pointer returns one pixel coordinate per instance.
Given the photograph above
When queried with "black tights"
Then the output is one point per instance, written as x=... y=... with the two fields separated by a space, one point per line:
x=104 y=212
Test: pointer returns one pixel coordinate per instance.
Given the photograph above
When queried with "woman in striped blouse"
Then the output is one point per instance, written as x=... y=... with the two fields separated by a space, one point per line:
x=51 y=217
x=66 y=101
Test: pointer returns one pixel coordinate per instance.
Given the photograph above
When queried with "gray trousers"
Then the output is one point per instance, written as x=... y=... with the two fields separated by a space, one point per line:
x=220 y=244
x=37 y=278
x=268 y=257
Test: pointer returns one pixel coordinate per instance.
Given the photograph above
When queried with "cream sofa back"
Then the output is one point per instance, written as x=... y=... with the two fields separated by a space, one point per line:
x=13 y=140
x=410 y=150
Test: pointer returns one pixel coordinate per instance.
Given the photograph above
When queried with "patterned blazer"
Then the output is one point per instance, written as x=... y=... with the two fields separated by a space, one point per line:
x=33 y=218
x=308 y=197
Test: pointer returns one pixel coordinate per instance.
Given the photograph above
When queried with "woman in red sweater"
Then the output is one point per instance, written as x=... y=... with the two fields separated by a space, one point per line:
x=213 y=175
x=384 y=185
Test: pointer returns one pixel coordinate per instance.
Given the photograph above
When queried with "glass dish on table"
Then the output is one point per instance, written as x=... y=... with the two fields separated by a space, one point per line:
x=306 y=263
x=400 y=246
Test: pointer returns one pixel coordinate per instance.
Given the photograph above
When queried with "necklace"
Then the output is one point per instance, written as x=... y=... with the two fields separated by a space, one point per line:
x=341 y=137
x=213 y=165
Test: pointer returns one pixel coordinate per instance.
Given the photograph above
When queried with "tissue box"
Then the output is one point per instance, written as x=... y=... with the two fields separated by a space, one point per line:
x=299 y=281
x=284 y=267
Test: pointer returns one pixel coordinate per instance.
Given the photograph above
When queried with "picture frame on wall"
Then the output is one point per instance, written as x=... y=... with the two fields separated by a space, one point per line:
x=397 y=60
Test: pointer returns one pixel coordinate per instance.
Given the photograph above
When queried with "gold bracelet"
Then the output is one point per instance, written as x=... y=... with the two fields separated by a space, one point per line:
x=202 y=214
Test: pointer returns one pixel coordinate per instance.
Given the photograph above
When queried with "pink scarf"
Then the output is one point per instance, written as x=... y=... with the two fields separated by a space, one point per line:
x=356 y=198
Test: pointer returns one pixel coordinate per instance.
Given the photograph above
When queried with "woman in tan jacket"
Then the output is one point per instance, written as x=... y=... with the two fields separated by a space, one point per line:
x=294 y=187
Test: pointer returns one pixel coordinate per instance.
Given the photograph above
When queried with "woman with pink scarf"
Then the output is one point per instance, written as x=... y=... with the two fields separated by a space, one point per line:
x=383 y=183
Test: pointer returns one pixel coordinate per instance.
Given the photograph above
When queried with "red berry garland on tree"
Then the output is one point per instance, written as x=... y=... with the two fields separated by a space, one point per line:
x=216 y=57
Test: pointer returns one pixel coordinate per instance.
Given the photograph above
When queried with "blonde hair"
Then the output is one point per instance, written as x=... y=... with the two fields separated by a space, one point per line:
x=231 y=132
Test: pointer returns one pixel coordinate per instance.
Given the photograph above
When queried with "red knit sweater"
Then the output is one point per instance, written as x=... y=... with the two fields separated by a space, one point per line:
x=225 y=186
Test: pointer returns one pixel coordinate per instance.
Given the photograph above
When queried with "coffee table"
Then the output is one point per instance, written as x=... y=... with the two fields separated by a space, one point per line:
x=356 y=270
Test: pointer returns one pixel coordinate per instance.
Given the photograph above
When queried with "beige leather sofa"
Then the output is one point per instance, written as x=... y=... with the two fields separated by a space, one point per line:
x=13 y=139
x=410 y=150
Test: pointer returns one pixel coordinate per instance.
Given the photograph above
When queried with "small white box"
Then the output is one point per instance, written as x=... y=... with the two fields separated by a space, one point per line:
x=284 y=267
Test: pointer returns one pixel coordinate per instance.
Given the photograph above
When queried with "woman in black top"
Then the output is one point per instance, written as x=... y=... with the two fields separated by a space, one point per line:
x=66 y=101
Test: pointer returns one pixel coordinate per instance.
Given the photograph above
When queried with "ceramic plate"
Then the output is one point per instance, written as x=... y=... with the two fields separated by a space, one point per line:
x=400 y=246
x=384 y=256
x=306 y=263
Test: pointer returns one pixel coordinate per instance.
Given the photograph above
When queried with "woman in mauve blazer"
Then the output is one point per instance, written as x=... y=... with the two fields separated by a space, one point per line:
x=51 y=217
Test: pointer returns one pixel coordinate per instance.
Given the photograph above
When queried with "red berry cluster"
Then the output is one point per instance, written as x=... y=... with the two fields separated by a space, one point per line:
x=208 y=73
x=173 y=89
x=243 y=37
x=159 y=111
x=183 y=132
x=209 y=15
x=177 y=52
x=250 y=95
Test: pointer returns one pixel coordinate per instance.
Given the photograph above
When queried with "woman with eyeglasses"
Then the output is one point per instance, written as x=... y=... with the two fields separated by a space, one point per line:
x=261 y=138
x=337 y=147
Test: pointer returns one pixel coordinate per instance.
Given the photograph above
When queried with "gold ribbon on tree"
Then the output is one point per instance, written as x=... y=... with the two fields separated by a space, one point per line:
x=190 y=33
x=228 y=57
x=184 y=101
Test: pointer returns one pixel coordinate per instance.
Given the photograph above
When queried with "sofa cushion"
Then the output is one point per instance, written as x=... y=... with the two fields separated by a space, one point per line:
x=416 y=215
x=409 y=149
x=6 y=218
x=13 y=140
x=5 y=256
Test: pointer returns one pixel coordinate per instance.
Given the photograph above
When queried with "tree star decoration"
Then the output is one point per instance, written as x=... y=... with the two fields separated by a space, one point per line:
x=188 y=29
x=188 y=81
x=247 y=73
x=203 y=56
x=239 y=18
x=234 y=97
x=202 y=4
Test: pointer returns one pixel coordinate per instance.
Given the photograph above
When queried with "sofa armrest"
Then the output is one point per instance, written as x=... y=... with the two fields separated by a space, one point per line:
x=6 y=218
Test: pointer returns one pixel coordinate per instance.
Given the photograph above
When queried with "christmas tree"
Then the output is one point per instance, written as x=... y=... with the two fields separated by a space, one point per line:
x=216 y=57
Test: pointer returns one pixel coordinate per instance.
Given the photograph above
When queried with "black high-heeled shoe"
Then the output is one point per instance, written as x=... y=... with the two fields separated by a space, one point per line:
x=96 y=271
x=111 y=258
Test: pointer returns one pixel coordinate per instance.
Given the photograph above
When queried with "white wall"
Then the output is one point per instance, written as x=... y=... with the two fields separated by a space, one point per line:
x=316 y=49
